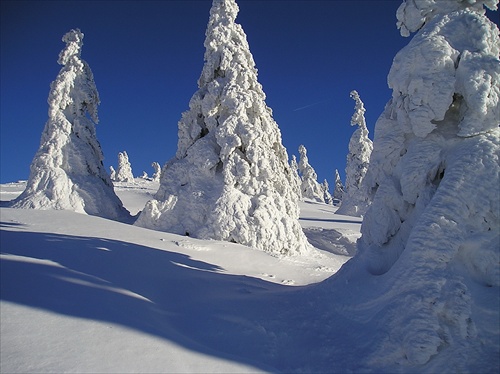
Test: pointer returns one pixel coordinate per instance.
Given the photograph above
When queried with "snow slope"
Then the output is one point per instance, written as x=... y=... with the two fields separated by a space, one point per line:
x=81 y=293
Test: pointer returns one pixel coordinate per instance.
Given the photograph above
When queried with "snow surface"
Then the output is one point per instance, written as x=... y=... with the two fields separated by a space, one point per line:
x=84 y=294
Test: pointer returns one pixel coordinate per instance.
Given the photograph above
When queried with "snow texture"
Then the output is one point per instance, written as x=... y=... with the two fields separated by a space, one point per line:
x=356 y=200
x=124 y=169
x=310 y=188
x=431 y=235
x=230 y=179
x=67 y=171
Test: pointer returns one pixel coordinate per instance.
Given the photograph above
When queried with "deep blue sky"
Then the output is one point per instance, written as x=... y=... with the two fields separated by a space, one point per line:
x=147 y=56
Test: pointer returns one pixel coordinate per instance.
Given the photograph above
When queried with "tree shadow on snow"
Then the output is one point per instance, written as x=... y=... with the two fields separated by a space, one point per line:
x=161 y=293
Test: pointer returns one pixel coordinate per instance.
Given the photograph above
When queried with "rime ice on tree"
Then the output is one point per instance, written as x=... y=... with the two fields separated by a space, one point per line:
x=230 y=179
x=338 y=193
x=124 y=169
x=310 y=188
x=326 y=193
x=355 y=199
x=157 y=173
x=433 y=226
x=67 y=171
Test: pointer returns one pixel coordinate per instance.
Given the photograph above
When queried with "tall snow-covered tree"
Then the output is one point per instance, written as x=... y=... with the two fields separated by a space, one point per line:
x=310 y=188
x=112 y=173
x=355 y=200
x=157 y=171
x=230 y=179
x=433 y=227
x=67 y=171
x=124 y=169
x=338 y=193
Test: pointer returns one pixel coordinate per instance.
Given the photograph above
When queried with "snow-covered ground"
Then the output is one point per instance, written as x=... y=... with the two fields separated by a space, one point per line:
x=81 y=293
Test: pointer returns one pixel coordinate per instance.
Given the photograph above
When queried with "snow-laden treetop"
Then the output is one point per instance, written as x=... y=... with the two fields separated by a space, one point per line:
x=358 y=117
x=412 y=14
x=74 y=102
x=460 y=63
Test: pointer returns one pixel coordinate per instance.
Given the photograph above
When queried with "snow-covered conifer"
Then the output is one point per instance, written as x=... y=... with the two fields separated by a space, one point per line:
x=67 y=171
x=112 y=173
x=355 y=200
x=326 y=193
x=310 y=187
x=338 y=193
x=230 y=179
x=157 y=173
x=124 y=169
x=296 y=181
x=433 y=227
x=144 y=175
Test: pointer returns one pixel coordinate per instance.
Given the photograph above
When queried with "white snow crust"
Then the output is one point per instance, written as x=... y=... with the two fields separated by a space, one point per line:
x=67 y=171
x=230 y=179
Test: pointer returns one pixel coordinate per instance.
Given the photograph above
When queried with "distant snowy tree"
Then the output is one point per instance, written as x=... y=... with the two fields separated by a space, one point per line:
x=310 y=187
x=67 y=171
x=124 y=169
x=112 y=173
x=326 y=193
x=296 y=181
x=144 y=175
x=338 y=193
x=433 y=228
x=355 y=200
x=230 y=179
x=157 y=173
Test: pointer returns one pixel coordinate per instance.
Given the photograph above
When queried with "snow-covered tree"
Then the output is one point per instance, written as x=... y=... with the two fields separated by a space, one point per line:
x=230 y=179
x=157 y=173
x=144 y=175
x=310 y=188
x=433 y=227
x=327 y=197
x=67 y=171
x=338 y=193
x=124 y=169
x=296 y=181
x=355 y=200
x=112 y=173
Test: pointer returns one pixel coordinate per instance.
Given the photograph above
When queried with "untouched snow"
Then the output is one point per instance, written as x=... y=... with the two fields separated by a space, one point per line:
x=81 y=293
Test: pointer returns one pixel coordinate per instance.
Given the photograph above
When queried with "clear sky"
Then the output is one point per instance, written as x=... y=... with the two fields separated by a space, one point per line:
x=147 y=56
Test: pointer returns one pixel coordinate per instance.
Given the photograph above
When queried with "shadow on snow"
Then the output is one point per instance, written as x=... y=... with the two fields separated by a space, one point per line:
x=171 y=296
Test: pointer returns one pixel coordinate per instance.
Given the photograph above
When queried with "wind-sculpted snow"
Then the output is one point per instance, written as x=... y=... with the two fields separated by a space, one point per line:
x=355 y=199
x=230 y=179
x=67 y=171
x=430 y=237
